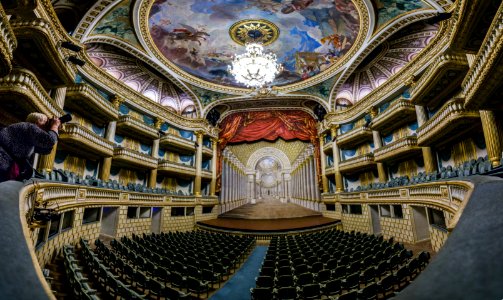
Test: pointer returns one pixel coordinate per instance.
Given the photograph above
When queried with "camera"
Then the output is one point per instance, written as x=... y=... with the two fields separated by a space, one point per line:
x=66 y=118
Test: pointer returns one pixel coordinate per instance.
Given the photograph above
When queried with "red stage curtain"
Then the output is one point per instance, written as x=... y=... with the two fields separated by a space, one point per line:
x=268 y=125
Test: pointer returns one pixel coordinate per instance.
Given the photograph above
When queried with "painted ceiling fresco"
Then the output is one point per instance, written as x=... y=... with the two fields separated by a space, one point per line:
x=141 y=78
x=117 y=23
x=385 y=61
x=390 y=9
x=194 y=34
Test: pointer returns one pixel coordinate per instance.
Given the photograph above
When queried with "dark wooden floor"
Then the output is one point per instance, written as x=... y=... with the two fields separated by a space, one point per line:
x=269 y=225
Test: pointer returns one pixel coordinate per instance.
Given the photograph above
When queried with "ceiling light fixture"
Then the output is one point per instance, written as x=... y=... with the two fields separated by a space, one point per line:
x=254 y=68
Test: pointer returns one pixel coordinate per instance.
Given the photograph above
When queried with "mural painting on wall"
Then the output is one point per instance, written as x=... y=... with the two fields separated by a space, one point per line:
x=193 y=34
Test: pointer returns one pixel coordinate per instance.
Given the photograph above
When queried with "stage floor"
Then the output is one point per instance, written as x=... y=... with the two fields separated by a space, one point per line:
x=269 y=209
x=269 y=215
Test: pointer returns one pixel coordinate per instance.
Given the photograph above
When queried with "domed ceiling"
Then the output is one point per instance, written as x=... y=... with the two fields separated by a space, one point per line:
x=311 y=35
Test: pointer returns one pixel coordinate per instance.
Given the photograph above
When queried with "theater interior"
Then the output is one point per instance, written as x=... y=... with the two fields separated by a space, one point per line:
x=359 y=156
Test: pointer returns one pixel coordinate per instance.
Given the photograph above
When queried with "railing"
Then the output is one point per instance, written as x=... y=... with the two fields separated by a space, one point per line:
x=21 y=81
x=485 y=62
x=178 y=142
x=8 y=43
x=395 y=112
x=86 y=92
x=400 y=146
x=137 y=126
x=134 y=157
x=451 y=112
x=83 y=136
x=357 y=162
x=355 y=135
x=175 y=167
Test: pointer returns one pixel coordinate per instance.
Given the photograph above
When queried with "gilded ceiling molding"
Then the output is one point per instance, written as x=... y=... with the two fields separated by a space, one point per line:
x=92 y=17
x=141 y=23
x=376 y=40
x=140 y=102
x=394 y=83
x=8 y=44
x=463 y=16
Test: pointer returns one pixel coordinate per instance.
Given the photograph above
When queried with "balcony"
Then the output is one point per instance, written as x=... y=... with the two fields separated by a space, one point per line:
x=399 y=113
x=399 y=149
x=206 y=174
x=330 y=170
x=127 y=125
x=78 y=139
x=441 y=79
x=207 y=152
x=129 y=158
x=172 y=168
x=328 y=148
x=354 y=137
x=178 y=144
x=38 y=44
x=480 y=86
x=8 y=44
x=22 y=93
x=86 y=100
x=359 y=163
x=450 y=122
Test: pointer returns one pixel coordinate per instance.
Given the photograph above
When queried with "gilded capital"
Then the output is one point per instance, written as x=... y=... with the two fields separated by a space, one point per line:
x=373 y=112
x=117 y=101
x=333 y=130
x=158 y=123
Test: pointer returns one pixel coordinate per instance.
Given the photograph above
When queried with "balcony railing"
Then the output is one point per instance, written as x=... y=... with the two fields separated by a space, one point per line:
x=440 y=79
x=38 y=38
x=357 y=163
x=207 y=152
x=169 y=167
x=178 y=144
x=84 y=141
x=130 y=126
x=400 y=112
x=206 y=174
x=450 y=121
x=22 y=88
x=329 y=170
x=132 y=158
x=397 y=149
x=354 y=137
x=86 y=100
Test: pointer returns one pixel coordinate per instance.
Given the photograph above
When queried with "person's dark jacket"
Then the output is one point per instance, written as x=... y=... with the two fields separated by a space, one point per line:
x=19 y=141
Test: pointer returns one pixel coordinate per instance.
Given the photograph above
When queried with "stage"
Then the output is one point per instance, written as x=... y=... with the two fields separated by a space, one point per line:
x=269 y=216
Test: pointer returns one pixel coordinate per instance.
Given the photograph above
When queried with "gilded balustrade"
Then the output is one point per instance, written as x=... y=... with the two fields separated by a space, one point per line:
x=400 y=112
x=178 y=144
x=486 y=73
x=450 y=121
x=174 y=168
x=129 y=157
x=357 y=163
x=22 y=88
x=85 y=99
x=84 y=141
x=131 y=126
x=354 y=137
x=402 y=147
x=440 y=79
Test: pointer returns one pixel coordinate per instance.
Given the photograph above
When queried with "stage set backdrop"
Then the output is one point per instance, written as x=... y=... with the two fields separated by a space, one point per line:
x=254 y=126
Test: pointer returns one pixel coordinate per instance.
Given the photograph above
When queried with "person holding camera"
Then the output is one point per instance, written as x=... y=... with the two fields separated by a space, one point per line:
x=19 y=141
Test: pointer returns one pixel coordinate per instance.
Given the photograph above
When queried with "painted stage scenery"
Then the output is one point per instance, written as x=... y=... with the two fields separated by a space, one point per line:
x=194 y=34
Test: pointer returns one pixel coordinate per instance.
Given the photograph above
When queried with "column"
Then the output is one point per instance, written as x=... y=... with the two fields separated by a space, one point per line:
x=59 y=94
x=106 y=162
x=199 y=162
x=430 y=164
x=324 y=180
x=381 y=170
x=152 y=179
x=337 y=158
x=288 y=188
x=213 y=184
x=492 y=136
x=46 y=162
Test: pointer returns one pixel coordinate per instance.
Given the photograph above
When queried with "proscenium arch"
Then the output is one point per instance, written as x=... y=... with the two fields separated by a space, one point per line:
x=272 y=152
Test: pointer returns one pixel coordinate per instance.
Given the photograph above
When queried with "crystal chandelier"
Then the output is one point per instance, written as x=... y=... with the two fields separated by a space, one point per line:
x=255 y=68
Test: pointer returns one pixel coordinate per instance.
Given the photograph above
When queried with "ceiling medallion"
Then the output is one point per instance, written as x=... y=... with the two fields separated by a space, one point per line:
x=241 y=32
